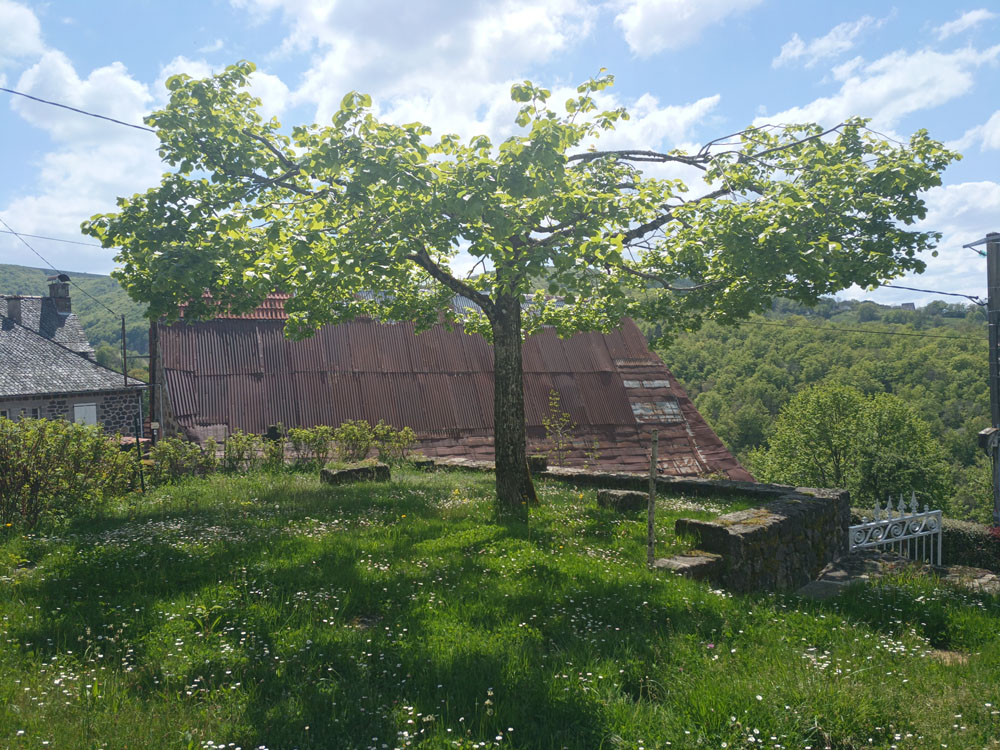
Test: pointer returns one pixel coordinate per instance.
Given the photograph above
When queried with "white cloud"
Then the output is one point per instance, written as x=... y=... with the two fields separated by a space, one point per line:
x=651 y=26
x=448 y=65
x=835 y=42
x=986 y=135
x=894 y=86
x=215 y=46
x=94 y=161
x=964 y=22
x=108 y=91
x=21 y=36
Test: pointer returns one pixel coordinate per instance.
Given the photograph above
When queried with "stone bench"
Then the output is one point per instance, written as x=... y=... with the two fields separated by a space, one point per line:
x=623 y=500
x=374 y=473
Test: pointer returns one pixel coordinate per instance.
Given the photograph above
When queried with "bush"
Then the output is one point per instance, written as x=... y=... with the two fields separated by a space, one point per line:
x=312 y=445
x=354 y=439
x=274 y=455
x=173 y=459
x=241 y=452
x=972 y=544
x=53 y=468
x=393 y=445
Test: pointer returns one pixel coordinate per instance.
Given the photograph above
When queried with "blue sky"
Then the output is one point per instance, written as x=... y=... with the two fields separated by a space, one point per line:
x=688 y=70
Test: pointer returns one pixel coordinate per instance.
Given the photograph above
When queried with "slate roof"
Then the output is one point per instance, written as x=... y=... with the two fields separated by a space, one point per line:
x=241 y=372
x=32 y=365
x=39 y=314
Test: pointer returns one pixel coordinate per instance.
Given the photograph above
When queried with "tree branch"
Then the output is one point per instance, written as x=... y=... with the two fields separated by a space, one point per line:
x=639 y=155
x=651 y=226
x=282 y=157
x=424 y=260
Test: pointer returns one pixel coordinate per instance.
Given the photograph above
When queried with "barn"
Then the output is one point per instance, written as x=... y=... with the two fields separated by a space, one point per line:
x=240 y=372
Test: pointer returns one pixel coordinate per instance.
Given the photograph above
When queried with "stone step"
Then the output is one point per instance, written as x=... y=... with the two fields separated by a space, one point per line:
x=696 y=565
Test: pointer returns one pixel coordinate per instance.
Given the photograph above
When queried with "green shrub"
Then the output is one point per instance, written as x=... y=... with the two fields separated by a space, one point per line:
x=173 y=459
x=241 y=452
x=312 y=445
x=393 y=445
x=54 y=468
x=354 y=439
x=274 y=455
x=972 y=544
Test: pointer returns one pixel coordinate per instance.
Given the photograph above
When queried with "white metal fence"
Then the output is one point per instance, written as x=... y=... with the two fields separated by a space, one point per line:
x=909 y=532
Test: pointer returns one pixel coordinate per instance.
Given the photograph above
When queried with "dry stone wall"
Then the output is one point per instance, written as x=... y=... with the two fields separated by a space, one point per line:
x=780 y=546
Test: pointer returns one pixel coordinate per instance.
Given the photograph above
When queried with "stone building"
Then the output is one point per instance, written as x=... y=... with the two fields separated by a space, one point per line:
x=47 y=367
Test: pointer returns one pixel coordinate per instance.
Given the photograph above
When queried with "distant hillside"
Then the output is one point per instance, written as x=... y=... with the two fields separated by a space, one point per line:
x=101 y=326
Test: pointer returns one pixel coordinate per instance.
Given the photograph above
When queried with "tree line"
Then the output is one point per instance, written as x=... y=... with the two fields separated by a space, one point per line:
x=919 y=372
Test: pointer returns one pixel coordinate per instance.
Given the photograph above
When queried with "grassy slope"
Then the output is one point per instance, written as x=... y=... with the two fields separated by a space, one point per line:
x=101 y=326
x=272 y=611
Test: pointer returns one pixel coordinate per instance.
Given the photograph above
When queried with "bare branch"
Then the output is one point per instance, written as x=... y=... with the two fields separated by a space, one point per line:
x=636 y=155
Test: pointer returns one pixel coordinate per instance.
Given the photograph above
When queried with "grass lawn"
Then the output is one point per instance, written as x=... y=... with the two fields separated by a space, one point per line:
x=271 y=611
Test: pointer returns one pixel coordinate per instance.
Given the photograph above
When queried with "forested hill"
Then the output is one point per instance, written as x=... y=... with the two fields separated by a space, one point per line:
x=102 y=326
x=934 y=357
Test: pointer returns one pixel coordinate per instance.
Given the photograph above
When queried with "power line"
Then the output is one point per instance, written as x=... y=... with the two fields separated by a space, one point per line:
x=880 y=333
x=53 y=239
x=971 y=297
x=80 y=111
x=56 y=269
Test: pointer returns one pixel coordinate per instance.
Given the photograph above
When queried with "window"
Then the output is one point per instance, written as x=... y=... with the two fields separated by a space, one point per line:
x=34 y=413
x=4 y=414
x=85 y=413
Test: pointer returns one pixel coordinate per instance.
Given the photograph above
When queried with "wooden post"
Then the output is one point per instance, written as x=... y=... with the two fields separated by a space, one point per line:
x=124 y=356
x=651 y=509
x=993 y=315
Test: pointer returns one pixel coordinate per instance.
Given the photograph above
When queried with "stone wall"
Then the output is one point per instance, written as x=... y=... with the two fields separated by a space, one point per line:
x=780 y=546
x=116 y=410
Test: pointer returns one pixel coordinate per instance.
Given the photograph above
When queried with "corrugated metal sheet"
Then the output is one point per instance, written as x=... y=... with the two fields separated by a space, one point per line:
x=242 y=373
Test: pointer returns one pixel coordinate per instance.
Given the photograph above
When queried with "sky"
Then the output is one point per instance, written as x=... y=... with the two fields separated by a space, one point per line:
x=687 y=70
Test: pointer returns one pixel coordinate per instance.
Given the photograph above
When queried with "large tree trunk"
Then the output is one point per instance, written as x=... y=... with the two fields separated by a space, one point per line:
x=514 y=488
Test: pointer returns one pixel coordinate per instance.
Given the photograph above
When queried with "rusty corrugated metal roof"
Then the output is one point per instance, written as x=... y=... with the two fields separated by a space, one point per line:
x=240 y=372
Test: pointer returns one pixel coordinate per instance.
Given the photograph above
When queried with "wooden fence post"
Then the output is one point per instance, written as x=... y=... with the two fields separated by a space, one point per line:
x=651 y=510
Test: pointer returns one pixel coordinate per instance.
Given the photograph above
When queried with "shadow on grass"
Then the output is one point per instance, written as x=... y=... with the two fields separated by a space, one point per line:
x=467 y=623
x=948 y=616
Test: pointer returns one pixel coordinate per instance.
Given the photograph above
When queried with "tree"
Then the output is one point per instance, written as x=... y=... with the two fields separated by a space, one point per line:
x=813 y=440
x=876 y=447
x=330 y=211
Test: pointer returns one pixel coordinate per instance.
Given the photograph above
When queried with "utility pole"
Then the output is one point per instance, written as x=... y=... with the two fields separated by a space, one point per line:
x=993 y=314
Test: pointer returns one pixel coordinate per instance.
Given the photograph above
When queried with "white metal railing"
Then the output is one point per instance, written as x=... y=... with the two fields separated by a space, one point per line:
x=909 y=532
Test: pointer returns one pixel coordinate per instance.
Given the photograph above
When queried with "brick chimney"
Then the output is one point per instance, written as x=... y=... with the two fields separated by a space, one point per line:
x=59 y=293
x=14 y=309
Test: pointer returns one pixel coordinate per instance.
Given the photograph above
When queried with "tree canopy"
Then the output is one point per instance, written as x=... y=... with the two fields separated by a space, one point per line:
x=876 y=446
x=329 y=212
